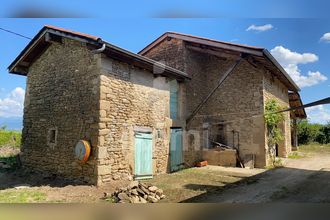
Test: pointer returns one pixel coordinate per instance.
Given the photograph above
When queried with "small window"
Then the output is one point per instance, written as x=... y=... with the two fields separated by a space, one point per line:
x=52 y=137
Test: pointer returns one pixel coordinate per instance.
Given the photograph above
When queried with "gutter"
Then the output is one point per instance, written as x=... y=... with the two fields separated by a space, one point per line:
x=172 y=70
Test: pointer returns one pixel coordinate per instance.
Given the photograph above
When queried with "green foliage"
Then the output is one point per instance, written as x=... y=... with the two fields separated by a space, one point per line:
x=22 y=196
x=295 y=155
x=309 y=133
x=276 y=163
x=272 y=120
x=11 y=161
x=10 y=138
x=315 y=148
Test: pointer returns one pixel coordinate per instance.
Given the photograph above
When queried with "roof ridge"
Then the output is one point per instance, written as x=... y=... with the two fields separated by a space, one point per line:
x=214 y=40
x=72 y=32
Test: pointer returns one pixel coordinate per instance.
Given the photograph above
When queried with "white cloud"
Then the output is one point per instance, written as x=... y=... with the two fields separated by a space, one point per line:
x=290 y=61
x=13 y=104
x=326 y=37
x=318 y=114
x=259 y=28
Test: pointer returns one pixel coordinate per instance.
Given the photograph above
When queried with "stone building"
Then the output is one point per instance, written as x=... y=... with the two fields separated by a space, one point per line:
x=225 y=99
x=148 y=113
x=80 y=87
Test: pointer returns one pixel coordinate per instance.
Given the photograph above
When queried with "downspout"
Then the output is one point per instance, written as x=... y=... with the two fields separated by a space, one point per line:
x=100 y=50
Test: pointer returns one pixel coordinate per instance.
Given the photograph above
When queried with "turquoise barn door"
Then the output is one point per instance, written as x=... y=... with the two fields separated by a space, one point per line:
x=143 y=156
x=176 y=159
x=174 y=99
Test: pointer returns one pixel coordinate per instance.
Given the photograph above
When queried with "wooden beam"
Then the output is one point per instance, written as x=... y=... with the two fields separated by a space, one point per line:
x=218 y=44
x=217 y=53
x=21 y=70
x=222 y=79
x=319 y=102
x=49 y=37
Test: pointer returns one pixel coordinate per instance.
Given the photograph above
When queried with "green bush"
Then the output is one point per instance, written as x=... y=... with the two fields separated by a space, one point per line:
x=312 y=132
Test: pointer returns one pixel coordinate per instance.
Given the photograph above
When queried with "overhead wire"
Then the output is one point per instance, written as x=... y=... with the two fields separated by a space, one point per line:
x=15 y=33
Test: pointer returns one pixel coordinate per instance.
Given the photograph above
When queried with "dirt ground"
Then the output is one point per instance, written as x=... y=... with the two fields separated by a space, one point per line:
x=303 y=179
x=54 y=189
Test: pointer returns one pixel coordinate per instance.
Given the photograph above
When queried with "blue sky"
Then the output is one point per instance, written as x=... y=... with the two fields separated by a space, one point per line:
x=296 y=42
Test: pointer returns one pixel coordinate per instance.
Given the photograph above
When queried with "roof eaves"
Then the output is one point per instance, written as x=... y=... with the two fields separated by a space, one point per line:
x=54 y=30
x=88 y=39
x=276 y=63
x=154 y=43
x=169 y=69
x=205 y=41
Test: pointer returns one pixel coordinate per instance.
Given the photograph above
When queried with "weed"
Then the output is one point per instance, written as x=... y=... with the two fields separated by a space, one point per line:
x=21 y=196
x=295 y=155
x=10 y=138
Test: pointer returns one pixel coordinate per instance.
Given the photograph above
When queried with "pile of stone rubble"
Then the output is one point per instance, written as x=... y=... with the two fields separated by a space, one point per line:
x=137 y=192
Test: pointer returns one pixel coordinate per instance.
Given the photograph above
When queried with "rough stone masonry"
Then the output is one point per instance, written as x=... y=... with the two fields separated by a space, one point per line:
x=93 y=97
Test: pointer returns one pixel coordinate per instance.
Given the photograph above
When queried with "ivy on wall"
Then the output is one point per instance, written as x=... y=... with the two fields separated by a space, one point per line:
x=273 y=119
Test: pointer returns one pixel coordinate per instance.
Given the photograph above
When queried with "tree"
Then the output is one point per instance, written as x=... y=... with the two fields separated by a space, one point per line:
x=324 y=136
x=313 y=132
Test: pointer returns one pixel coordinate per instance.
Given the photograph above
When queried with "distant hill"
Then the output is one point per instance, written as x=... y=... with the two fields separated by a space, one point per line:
x=13 y=123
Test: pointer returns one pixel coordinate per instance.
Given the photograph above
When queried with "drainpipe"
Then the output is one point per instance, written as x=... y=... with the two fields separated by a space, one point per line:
x=99 y=50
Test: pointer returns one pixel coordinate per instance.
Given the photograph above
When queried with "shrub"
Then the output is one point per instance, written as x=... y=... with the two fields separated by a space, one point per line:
x=312 y=132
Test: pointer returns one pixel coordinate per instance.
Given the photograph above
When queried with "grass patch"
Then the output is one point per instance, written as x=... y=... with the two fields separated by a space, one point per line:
x=192 y=182
x=315 y=148
x=10 y=138
x=22 y=196
x=295 y=155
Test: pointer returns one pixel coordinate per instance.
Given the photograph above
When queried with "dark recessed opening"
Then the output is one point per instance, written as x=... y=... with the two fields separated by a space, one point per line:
x=52 y=136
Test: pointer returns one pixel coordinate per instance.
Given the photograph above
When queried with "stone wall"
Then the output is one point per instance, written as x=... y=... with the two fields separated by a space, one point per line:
x=237 y=105
x=233 y=104
x=171 y=52
x=131 y=99
x=61 y=94
x=274 y=89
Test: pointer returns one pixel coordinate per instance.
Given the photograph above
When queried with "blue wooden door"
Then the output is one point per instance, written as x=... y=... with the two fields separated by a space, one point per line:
x=143 y=156
x=173 y=99
x=176 y=159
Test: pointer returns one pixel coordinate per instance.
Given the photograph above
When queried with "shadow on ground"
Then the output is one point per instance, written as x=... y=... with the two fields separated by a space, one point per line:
x=12 y=175
x=276 y=185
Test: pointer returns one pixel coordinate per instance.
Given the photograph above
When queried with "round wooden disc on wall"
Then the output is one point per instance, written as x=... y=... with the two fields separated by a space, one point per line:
x=82 y=151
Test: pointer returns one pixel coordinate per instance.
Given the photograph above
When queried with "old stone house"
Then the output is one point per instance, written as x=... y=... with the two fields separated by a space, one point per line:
x=147 y=113
x=80 y=87
x=225 y=99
